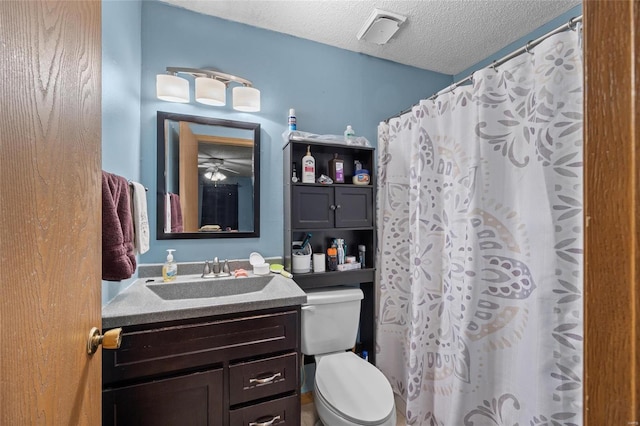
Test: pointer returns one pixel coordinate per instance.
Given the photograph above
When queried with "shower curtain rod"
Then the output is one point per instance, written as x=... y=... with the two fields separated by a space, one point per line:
x=530 y=44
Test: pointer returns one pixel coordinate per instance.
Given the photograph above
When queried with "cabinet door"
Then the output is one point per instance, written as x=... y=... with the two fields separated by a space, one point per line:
x=312 y=207
x=354 y=207
x=194 y=399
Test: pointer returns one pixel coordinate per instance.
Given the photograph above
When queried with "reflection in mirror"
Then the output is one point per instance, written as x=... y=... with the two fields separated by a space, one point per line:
x=208 y=177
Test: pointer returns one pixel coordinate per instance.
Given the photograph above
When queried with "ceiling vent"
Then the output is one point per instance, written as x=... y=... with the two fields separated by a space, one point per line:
x=380 y=26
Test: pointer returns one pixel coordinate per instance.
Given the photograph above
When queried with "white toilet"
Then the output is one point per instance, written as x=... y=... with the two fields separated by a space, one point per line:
x=348 y=391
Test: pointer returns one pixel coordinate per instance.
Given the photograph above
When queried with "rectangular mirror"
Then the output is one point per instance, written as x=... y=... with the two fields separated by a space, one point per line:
x=208 y=177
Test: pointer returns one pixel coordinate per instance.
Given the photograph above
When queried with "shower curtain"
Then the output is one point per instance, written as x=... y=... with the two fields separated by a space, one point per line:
x=480 y=246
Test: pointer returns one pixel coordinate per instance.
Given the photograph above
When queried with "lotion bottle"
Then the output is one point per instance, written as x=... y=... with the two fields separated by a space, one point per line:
x=170 y=268
x=308 y=167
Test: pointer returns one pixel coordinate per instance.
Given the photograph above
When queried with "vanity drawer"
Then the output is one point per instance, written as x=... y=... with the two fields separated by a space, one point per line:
x=280 y=412
x=263 y=378
x=171 y=349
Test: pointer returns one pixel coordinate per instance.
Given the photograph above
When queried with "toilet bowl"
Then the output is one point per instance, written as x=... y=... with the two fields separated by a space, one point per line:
x=348 y=391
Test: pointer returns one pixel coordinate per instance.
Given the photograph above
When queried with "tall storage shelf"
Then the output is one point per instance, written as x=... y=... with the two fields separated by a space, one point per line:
x=339 y=210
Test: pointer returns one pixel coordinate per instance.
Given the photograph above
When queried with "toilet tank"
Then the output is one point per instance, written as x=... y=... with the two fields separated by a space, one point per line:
x=330 y=319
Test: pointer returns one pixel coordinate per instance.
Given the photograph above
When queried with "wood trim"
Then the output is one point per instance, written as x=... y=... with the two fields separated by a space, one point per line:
x=306 y=398
x=189 y=188
x=611 y=212
x=220 y=140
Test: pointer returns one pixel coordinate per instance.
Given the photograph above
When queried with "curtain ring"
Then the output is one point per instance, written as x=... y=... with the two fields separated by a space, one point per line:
x=526 y=47
x=572 y=24
x=493 y=66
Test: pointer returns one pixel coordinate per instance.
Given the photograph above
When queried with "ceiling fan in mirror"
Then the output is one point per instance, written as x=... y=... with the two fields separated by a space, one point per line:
x=213 y=168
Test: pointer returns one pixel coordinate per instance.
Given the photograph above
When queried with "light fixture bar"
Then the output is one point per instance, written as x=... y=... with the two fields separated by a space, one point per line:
x=224 y=77
x=210 y=88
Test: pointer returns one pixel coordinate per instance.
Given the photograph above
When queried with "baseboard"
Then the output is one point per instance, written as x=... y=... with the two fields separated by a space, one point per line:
x=306 y=398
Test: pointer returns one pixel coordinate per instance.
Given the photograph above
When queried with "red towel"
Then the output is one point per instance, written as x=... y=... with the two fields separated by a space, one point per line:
x=118 y=258
x=176 y=213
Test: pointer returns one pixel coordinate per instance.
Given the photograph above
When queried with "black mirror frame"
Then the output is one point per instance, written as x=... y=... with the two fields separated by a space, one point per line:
x=161 y=178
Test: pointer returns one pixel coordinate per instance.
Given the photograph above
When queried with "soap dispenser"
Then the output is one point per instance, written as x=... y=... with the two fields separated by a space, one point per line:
x=170 y=268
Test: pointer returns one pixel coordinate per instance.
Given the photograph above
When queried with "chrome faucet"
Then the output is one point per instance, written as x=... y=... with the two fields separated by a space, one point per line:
x=215 y=268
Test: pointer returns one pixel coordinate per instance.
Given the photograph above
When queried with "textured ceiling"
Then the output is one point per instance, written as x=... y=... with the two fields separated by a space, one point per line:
x=446 y=36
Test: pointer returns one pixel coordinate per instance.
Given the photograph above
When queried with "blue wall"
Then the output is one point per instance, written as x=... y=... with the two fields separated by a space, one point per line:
x=328 y=87
x=121 y=62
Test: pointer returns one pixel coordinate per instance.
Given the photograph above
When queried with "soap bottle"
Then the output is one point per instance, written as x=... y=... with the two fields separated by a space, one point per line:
x=170 y=268
x=292 y=119
x=336 y=169
x=308 y=167
x=349 y=135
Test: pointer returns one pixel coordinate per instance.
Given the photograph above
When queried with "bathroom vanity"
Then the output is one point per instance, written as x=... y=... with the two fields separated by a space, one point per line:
x=215 y=361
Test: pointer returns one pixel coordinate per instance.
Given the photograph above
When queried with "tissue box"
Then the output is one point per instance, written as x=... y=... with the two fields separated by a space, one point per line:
x=348 y=266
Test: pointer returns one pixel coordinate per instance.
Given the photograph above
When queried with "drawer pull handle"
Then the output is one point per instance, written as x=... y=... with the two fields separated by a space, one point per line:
x=269 y=423
x=265 y=380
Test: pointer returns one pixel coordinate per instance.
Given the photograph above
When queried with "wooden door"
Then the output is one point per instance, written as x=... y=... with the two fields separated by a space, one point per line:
x=612 y=222
x=189 y=186
x=50 y=186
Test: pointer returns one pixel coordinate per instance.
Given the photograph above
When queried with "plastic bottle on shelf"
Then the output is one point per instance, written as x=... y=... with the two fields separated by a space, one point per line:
x=349 y=135
x=292 y=119
x=361 y=253
x=336 y=169
x=308 y=167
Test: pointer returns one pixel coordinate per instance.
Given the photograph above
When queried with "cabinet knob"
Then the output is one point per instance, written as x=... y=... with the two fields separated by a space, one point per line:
x=109 y=340
x=338 y=206
x=266 y=423
x=332 y=207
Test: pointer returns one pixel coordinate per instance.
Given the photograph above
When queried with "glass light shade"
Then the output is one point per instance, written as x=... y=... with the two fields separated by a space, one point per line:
x=246 y=99
x=210 y=91
x=172 y=88
x=215 y=176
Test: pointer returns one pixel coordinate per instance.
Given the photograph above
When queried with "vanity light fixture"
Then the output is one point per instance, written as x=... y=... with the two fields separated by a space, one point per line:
x=210 y=88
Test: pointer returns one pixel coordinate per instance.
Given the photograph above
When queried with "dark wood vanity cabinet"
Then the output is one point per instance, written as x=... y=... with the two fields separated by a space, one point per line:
x=341 y=210
x=233 y=370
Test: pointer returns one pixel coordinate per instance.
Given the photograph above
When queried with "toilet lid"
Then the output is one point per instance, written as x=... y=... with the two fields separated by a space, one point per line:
x=354 y=387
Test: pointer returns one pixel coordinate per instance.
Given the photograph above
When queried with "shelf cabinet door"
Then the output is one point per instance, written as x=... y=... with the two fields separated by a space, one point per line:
x=316 y=207
x=312 y=207
x=354 y=207
x=194 y=399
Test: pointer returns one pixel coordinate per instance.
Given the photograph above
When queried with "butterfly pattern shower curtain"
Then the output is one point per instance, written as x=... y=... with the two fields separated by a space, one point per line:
x=480 y=246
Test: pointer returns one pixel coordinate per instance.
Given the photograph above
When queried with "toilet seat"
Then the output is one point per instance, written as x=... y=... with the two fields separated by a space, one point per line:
x=354 y=389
